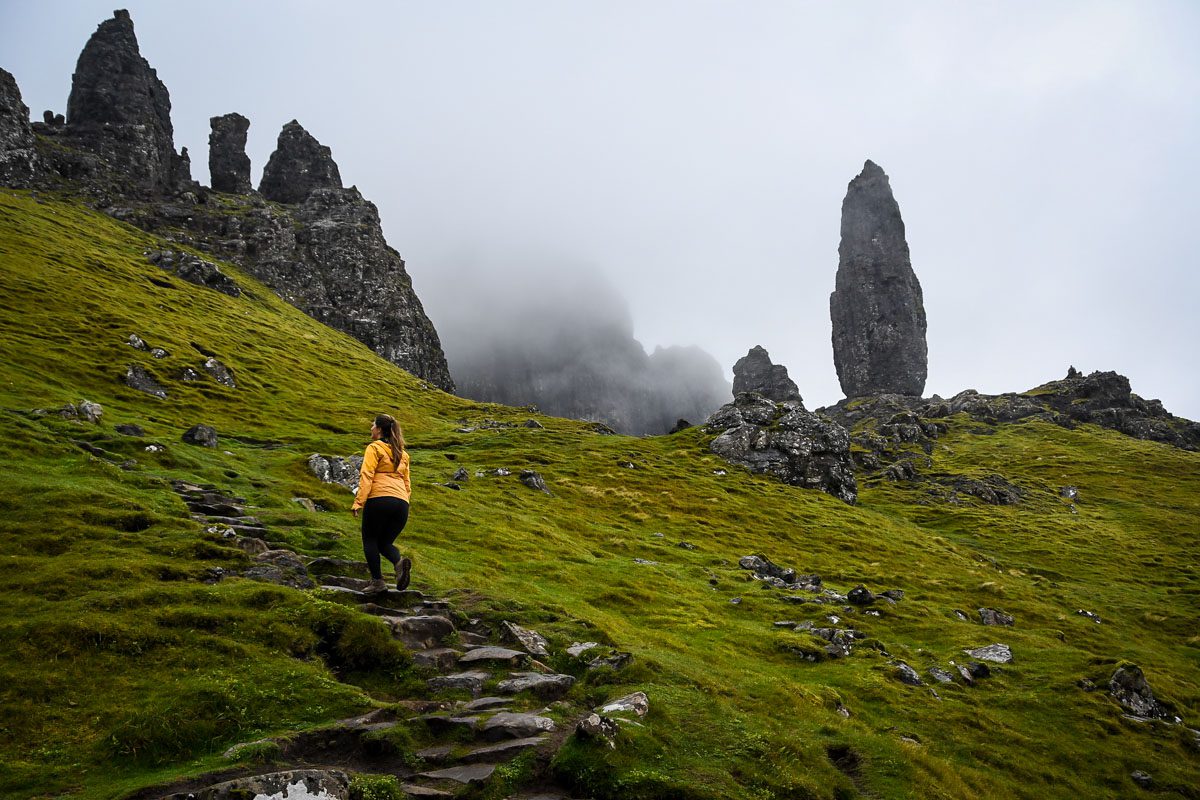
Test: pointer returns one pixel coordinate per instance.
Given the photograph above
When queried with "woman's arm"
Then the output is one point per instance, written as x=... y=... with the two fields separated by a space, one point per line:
x=366 y=476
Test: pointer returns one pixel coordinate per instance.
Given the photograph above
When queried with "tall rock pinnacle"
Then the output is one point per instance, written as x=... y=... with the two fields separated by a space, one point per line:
x=228 y=164
x=877 y=308
x=119 y=109
x=754 y=372
x=299 y=164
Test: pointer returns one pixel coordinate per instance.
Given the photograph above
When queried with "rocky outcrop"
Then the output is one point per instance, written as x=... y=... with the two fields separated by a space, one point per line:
x=784 y=440
x=228 y=164
x=877 y=308
x=299 y=165
x=18 y=154
x=754 y=372
x=120 y=110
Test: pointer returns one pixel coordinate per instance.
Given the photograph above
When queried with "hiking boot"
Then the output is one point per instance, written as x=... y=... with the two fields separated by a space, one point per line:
x=375 y=586
x=403 y=568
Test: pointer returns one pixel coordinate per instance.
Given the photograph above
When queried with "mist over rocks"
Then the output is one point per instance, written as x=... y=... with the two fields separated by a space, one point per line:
x=299 y=165
x=539 y=332
x=228 y=164
x=754 y=372
x=877 y=308
x=120 y=110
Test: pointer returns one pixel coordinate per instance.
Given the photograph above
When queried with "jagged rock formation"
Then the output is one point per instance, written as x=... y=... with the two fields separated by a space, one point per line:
x=120 y=110
x=299 y=165
x=754 y=372
x=324 y=252
x=18 y=154
x=228 y=164
x=784 y=440
x=877 y=308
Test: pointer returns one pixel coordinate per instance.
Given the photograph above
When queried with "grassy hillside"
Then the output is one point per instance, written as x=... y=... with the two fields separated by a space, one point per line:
x=122 y=668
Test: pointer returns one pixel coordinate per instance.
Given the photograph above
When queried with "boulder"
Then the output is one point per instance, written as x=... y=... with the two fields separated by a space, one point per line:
x=202 y=435
x=754 y=372
x=335 y=469
x=120 y=110
x=996 y=653
x=906 y=674
x=534 y=480
x=636 y=703
x=311 y=784
x=597 y=728
x=860 y=596
x=299 y=165
x=1128 y=687
x=877 y=307
x=991 y=616
x=787 y=442
x=136 y=377
x=19 y=161
x=228 y=164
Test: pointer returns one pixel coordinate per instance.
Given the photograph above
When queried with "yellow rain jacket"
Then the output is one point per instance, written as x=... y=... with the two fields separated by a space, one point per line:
x=379 y=477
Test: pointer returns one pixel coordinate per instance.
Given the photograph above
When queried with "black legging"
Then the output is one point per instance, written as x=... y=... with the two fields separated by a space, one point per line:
x=382 y=520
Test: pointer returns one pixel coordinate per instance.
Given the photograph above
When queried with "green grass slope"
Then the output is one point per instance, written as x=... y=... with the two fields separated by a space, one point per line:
x=121 y=668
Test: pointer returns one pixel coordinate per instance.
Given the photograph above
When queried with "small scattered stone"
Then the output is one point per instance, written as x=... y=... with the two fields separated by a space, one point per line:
x=940 y=675
x=906 y=674
x=137 y=378
x=996 y=653
x=637 y=702
x=685 y=545
x=158 y=352
x=893 y=594
x=189 y=375
x=1070 y=492
x=626 y=465
x=598 y=728
x=533 y=423
x=579 y=648
x=860 y=596
x=202 y=435
x=735 y=601
x=138 y=343
x=460 y=475
x=720 y=473
x=962 y=615
x=154 y=448
x=219 y=372
x=645 y=562
x=1142 y=779
x=992 y=616
x=533 y=480
x=307 y=504
x=1093 y=617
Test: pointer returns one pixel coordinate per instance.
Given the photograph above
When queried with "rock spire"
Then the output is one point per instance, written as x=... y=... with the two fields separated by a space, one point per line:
x=228 y=164
x=877 y=308
x=120 y=110
x=754 y=372
x=18 y=154
x=299 y=165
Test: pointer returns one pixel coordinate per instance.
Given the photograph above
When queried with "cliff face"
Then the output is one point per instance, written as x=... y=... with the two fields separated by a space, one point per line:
x=877 y=308
x=317 y=245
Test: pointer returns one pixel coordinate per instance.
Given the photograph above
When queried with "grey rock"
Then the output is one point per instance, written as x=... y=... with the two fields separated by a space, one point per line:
x=130 y=429
x=1090 y=615
x=1069 y=492
x=307 y=504
x=534 y=424
x=508 y=725
x=787 y=442
x=158 y=352
x=680 y=425
x=636 y=703
x=472 y=681
x=547 y=687
x=325 y=565
x=501 y=654
x=940 y=675
x=460 y=475
x=219 y=372
x=754 y=372
x=194 y=269
x=189 y=375
x=309 y=784
x=861 y=596
x=877 y=306
x=422 y=630
x=228 y=164
x=19 y=162
x=502 y=751
x=335 y=469
x=136 y=377
x=991 y=616
x=299 y=165
x=534 y=480
x=120 y=110
x=597 y=728
x=996 y=653
x=487 y=704
x=1142 y=779
x=470 y=773
x=202 y=435
x=532 y=641
x=906 y=674
x=895 y=595
x=1129 y=687
x=579 y=648
x=682 y=545
x=138 y=343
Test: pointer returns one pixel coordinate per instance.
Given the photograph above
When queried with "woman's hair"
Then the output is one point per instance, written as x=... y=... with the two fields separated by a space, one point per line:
x=389 y=431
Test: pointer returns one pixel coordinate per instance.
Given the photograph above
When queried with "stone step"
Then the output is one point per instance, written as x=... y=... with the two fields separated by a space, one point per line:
x=443 y=659
x=416 y=790
x=438 y=754
x=507 y=725
x=469 y=773
x=217 y=519
x=421 y=632
x=439 y=724
x=546 y=687
x=343 y=567
x=217 y=509
x=502 y=751
x=500 y=655
x=470 y=640
x=472 y=681
x=486 y=704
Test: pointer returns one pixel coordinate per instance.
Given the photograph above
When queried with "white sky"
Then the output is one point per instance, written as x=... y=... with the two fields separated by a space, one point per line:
x=696 y=154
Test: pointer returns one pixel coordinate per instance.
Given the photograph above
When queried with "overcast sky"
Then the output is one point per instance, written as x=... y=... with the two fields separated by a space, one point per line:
x=695 y=154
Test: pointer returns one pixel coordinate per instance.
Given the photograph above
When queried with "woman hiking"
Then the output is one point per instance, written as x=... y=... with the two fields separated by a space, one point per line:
x=383 y=492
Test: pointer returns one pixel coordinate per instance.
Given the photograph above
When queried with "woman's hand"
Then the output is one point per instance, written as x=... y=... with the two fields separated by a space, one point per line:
x=355 y=511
